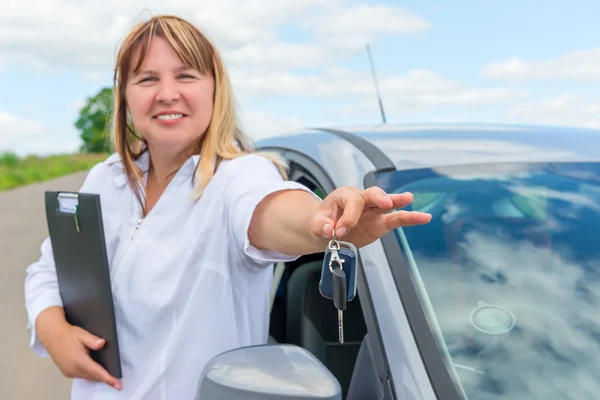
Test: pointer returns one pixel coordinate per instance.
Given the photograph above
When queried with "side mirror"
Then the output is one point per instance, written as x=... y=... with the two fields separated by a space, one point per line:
x=268 y=372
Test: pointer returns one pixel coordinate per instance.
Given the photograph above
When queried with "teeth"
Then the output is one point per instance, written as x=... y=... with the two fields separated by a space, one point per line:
x=170 y=116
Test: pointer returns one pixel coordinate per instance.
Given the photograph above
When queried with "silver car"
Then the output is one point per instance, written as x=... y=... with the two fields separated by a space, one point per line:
x=496 y=298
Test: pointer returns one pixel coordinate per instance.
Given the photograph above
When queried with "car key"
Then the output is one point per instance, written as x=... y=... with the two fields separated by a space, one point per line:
x=338 y=277
x=348 y=256
x=338 y=283
x=339 y=293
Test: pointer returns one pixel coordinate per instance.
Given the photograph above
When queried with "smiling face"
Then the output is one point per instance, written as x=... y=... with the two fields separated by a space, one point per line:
x=170 y=104
x=150 y=79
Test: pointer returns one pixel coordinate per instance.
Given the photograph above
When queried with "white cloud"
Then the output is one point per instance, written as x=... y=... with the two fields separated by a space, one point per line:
x=581 y=65
x=353 y=27
x=24 y=137
x=567 y=109
x=277 y=54
x=367 y=19
x=85 y=34
x=260 y=124
x=349 y=96
x=78 y=104
x=97 y=76
x=417 y=88
x=14 y=127
x=250 y=21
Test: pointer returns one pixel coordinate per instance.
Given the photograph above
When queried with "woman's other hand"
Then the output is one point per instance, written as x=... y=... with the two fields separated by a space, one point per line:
x=69 y=347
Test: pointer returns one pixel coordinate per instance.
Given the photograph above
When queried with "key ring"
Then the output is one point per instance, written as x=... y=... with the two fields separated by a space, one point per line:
x=335 y=257
x=334 y=245
x=334 y=240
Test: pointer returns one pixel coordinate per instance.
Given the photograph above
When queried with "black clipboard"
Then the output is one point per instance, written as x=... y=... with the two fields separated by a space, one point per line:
x=77 y=235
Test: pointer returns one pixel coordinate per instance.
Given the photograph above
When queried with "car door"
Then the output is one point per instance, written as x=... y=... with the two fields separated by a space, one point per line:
x=371 y=372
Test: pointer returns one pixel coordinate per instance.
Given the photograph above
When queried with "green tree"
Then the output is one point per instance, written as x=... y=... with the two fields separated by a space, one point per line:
x=94 y=122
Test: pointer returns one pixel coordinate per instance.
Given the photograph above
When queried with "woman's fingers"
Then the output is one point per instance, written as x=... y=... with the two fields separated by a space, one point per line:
x=376 y=197
x=400 y=218
x=352 y=204
x=89 y=368
x=90 y=340
x=401 y=200
x=98 y=373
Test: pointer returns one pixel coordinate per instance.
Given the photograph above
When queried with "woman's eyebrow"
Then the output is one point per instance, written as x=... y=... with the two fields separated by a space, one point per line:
x=153 y=72
x=146 y=71
x=184 y=68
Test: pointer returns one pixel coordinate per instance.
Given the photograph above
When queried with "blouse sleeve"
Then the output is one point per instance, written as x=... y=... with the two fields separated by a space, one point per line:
x=251 y=179
x=41 y=284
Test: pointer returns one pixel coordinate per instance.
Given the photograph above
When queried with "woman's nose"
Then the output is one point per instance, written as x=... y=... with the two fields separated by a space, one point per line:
x=167 y=91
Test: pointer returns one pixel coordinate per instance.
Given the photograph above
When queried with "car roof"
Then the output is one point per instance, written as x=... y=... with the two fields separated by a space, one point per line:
x=410 y=146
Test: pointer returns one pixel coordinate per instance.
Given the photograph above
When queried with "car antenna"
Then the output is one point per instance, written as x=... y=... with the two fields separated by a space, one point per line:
x=376 y=85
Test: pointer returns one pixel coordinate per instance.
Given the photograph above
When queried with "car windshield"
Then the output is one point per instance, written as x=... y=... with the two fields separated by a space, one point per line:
x=509 y=273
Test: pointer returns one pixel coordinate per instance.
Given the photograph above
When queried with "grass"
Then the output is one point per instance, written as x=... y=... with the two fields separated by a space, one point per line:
x=16 y=171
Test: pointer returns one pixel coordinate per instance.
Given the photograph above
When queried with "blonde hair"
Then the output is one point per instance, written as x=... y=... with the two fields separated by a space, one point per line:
x=223 y=140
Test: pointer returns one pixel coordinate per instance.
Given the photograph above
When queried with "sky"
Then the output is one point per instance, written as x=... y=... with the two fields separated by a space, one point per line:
x=304 y=63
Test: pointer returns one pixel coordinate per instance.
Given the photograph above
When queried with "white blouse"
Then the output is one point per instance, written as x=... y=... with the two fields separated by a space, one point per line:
x=187 y=285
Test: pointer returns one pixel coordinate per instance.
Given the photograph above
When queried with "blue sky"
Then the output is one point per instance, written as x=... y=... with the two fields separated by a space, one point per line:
x=304 y=63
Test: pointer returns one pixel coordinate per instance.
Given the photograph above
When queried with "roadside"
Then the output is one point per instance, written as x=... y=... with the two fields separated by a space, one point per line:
x=22 y=229
x=17 y=172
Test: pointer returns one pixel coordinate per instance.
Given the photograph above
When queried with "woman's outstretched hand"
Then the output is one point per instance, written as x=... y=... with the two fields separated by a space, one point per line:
x=363 y=216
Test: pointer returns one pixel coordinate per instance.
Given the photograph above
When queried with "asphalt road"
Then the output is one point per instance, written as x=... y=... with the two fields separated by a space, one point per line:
x=22 y=230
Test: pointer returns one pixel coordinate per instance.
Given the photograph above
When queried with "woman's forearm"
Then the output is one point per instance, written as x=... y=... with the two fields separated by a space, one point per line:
x=285 y=228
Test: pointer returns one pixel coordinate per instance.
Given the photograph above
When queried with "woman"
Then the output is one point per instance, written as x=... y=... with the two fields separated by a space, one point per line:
x=194 y=221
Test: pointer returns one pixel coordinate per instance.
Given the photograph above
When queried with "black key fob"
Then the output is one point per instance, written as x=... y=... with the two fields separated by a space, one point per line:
x=349 y=257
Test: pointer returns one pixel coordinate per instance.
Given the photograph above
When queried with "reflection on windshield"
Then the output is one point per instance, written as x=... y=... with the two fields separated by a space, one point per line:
x=511 y=265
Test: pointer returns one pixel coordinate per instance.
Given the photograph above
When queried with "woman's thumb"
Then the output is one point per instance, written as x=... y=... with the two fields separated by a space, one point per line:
x=322 y=227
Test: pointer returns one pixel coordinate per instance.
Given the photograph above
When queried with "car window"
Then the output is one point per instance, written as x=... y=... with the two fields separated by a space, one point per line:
x=509 y=272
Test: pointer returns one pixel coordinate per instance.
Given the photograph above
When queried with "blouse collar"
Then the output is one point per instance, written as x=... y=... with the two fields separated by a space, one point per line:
x=143 y=162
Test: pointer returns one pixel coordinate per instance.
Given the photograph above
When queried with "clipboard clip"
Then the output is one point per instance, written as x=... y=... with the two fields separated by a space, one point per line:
x=76 y=214
x=69 y=203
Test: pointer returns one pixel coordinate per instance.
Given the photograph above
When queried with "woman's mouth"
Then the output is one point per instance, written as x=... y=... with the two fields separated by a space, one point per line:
x=170 y=119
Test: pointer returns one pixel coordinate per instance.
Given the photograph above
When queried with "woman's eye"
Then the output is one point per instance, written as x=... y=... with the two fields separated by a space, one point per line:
x=147 y=79
x=187 y=76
